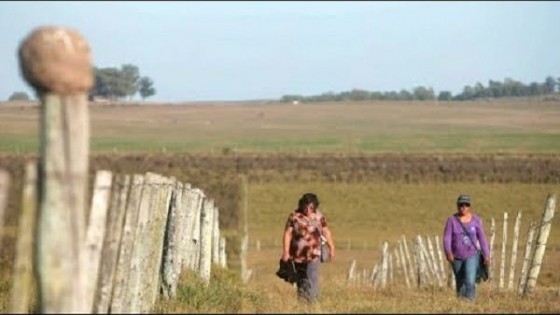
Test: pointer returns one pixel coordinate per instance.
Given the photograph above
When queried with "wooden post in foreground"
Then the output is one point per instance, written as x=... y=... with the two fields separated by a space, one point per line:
x=4 y=185
x=540 y=244
x=56 y=62
x=22 y=288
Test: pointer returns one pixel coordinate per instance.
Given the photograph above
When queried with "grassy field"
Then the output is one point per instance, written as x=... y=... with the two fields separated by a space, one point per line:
x=363 y=209
x=515 y=126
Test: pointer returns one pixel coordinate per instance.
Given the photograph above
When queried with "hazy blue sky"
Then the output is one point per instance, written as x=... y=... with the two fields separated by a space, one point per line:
x=253 y=50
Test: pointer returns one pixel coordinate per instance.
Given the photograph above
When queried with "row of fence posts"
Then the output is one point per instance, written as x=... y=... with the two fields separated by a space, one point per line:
x=427 y=265
x=143 y=230
x=139 y=232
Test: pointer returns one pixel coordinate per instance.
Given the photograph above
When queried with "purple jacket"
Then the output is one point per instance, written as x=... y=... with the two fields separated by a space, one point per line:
x=457 y=242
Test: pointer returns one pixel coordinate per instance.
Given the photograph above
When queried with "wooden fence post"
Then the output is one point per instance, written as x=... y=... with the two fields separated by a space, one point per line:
x=492 y=272
x=411 y=269
x=514 y=250
x=95 y=234
x=22 y=288
x=404 y=264
x=206 y=240
x=351 y=271
x=139 y=264
x=245 y=271
x=160 y=212
x=56 y=62
x=120 y=295
x=172 y=255
x=4 y=191
x=540 y=245
x=527 y=259
x=216 y=236
x=111 y=242
x=195 y=201
x=503 y=260
x=440 y=259
x=223 y=255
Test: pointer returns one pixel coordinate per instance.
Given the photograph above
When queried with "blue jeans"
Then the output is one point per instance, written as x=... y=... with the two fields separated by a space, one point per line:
x=308 y=280
x=465 y=276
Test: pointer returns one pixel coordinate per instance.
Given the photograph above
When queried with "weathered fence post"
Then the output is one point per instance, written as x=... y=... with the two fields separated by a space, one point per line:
x=206 y=240
x=527 y=259
x=216 y=236
x=351 y=271
x=4 y=189
x=440 y=259
x=95 y=234
x=22 y=287
x=172 y=254
x=195 y=200
x=139 y=262
x=540 y=245
x=411 y=269
x=111 y=242
x=503 y=260
x=160 y=212
x=245 y=271
x=514 y=250
x=491 y=272
x=223 y=256
x=120 y=294
x=404 y=264
x=433 y=261
x=56 y=62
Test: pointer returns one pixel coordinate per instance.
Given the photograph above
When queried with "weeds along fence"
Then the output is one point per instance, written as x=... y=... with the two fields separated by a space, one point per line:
x=127 y=245
x=143 y=230
x=422 y=263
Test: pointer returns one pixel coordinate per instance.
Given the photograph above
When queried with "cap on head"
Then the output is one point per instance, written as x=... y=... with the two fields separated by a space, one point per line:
x=463 y=199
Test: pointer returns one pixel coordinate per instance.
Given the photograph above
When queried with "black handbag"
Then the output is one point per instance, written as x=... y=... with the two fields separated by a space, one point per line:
x=482 y=273
x=325 y=250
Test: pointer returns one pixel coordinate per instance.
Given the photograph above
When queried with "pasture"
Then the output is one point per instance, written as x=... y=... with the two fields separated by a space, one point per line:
x=514 y=126
x=502 y=152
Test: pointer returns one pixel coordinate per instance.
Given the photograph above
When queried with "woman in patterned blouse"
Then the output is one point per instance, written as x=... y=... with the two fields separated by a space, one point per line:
x=302 y=243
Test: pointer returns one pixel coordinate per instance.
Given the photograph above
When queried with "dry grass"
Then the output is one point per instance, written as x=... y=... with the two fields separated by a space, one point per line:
x=362 y=214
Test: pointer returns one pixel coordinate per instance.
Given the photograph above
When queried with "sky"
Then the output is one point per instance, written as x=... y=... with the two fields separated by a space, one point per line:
x=247 y=50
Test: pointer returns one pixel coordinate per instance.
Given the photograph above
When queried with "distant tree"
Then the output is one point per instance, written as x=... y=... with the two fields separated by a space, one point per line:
x=19 y=96
x=130 y=76
x=422 y=93
x=114 y=83
x=445 y=96
x=146 y=87
x=550 y=85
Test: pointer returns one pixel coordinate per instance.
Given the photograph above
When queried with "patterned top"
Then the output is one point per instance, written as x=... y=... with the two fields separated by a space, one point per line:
x=306 y=236
x=457 y=242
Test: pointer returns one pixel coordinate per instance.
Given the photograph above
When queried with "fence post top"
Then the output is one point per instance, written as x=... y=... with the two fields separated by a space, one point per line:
x=57 y=60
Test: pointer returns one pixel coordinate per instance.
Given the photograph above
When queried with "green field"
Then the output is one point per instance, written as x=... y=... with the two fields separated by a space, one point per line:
x=515 y=126
x=365 y=205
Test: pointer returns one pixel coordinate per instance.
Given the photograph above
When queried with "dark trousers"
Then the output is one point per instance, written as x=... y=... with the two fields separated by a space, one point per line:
x=308 y=280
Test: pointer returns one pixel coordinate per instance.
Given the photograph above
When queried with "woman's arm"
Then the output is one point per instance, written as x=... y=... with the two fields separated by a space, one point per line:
x=286 y=240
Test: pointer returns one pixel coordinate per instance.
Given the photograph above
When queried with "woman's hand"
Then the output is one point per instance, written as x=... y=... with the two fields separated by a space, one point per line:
x=285 y=256
x=450 y=257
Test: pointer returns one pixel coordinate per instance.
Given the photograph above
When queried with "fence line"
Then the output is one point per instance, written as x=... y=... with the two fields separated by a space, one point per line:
x=429 y=265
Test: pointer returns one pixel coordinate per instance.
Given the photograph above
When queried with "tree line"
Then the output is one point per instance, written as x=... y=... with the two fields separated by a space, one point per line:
x=113 y=83
x=495 y=89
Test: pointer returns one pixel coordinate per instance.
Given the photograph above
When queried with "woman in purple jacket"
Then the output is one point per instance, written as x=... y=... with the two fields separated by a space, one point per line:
x=461 y=249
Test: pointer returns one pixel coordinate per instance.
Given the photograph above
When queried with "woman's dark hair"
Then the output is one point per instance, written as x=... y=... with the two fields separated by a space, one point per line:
x=307 y=199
